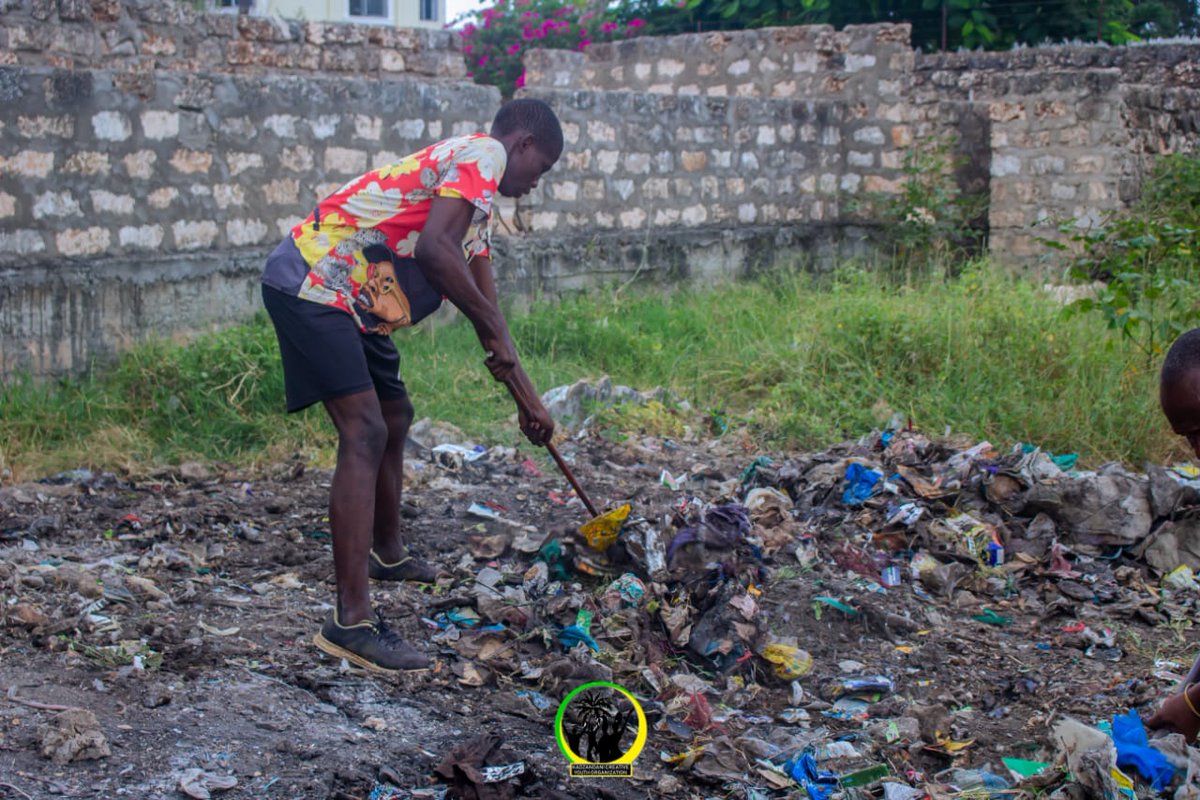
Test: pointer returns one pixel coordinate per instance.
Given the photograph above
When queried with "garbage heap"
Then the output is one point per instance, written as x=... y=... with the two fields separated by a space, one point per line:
x=724 y=600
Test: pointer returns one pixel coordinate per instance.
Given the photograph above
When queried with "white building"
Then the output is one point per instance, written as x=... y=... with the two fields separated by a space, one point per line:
x=399 y=13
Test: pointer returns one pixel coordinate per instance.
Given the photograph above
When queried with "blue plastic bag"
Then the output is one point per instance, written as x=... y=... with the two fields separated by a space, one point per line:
x=1134 y=750
x=860 y=484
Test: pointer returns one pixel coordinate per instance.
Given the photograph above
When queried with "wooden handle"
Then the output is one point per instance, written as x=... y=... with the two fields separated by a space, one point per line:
x=562 y=465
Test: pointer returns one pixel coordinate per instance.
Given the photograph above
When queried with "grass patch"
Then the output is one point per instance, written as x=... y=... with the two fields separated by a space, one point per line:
x=795 y=362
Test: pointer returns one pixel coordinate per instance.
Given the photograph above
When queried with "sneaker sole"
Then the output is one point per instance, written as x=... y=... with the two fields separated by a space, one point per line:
x=340 y=652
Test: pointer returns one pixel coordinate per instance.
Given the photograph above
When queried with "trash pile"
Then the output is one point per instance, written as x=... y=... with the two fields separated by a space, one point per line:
x=900 y=617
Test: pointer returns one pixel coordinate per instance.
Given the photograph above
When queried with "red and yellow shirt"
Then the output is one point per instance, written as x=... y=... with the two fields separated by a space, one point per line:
x=389 y=206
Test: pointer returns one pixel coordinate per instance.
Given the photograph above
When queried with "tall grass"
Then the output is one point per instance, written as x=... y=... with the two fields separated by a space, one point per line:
x=800 y=363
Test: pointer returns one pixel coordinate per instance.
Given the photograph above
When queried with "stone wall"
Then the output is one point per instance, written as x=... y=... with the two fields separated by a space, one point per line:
x=1072 y=130
x=106 y=189
x=150 y=156
x=1047 y=135
x=145 y=35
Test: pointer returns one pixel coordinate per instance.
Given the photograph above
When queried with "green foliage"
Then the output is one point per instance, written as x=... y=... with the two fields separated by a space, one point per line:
x=988 y=24
x=793 y=360
x=1148 y=260
x=928 y=225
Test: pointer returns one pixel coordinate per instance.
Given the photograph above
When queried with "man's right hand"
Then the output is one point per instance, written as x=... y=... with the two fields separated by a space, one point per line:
x=501 y=361
x=536 y=423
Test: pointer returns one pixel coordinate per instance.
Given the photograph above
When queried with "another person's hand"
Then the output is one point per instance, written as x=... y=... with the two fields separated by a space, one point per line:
x=536 y=423
x=1177 y=716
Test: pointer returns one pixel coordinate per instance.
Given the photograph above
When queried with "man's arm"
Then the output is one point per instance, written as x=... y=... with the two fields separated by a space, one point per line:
x=481 y=270
x=439 y=254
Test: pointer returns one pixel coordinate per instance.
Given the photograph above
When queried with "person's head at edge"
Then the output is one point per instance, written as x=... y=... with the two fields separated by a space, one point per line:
x=533 y=138
x=1179 y=388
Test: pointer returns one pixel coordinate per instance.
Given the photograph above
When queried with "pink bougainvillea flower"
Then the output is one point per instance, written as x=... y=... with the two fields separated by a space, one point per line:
x=520 y=81
x=482 y=61
x=562 y=12
x=584 y=43
x=635 y=23
x=528 y=14
x=514 y=48
x=609 y=27
x=467 y=48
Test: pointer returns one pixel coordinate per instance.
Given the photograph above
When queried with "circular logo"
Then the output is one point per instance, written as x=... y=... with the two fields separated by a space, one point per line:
x=601 y=729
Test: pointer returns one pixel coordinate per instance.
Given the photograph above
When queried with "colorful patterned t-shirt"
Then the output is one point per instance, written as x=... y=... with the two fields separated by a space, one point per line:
x=389 y=206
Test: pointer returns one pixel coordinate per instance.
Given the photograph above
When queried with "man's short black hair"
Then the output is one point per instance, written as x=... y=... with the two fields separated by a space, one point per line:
x=533 y=116
x=1183 y=357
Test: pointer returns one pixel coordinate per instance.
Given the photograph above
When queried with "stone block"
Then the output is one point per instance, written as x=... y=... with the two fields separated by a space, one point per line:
x=282 y=125
x=693 y=215
x=877 y=184
x=367 y=127
x=282 y=192
x=162 y=197
x=296 y=159
x=565 y=191
x=665 y=217
x=392 y=61
x=43 y=127
x=191 y=162
x=600 y=131
x=637 y=163
x=141 y=237
x=8 y=206
x=106 y=202
x=56 y=205
x=869 y=135
x=159 y=125
x=228 y=195
x=22 y=242
x=194 y=235
x=856 y=158
x=345 y=161
x=632 y=218
x=140 y=164
x=544 y=221
x=242 y=233
x=606 y=161
x=1003 y=166
x=83 y=241
x=240 y=162
x=28 y=164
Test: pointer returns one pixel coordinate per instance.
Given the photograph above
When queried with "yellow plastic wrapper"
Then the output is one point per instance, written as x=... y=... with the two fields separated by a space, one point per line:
x=790 y=662
x=602 y=531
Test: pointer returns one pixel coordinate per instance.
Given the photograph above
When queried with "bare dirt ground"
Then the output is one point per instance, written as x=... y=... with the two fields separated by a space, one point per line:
x=178 y=609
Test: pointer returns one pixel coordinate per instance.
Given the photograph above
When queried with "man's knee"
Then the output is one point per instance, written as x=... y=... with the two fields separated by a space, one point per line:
x=398 y=415
x=362 y=430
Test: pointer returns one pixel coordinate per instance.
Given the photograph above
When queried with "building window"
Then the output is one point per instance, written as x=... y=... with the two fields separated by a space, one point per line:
x=429 y=10
x=370 y=9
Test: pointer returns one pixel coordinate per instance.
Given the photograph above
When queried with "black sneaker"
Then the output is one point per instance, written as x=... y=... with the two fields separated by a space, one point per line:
x=410 y=568
x=369 y=644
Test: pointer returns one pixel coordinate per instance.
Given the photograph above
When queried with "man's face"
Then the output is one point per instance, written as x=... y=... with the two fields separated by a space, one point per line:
x=526 y=164
x=1180 y=400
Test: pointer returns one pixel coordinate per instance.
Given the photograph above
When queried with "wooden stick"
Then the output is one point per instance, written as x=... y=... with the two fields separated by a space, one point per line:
x=562 y=465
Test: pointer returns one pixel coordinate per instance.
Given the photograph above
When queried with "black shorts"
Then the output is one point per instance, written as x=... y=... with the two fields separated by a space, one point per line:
x=325 y=355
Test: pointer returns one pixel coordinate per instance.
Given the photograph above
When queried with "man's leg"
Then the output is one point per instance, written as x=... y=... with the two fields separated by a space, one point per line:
x=388 y=542
x=393 y=560
x=362 y=441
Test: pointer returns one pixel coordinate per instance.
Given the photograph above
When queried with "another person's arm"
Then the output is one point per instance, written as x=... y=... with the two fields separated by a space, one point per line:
x=439 y=254
x=1180 y=712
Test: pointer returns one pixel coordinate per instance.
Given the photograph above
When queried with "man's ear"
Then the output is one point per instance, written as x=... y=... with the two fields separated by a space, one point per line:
x=527 y=141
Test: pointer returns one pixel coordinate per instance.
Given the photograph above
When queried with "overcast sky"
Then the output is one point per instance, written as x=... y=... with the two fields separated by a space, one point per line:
x=456 y=7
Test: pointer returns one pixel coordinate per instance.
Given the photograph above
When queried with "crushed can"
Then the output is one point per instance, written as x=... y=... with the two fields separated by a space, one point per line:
x=995 y=554
x=890 y=577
